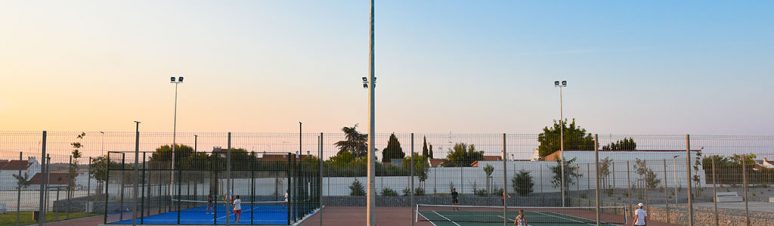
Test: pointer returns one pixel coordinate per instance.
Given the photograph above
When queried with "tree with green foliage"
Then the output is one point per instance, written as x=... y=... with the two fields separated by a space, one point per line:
x=22 y=181
x=627 y=144
x=425 y=151
x=462 y=155
x=431 y=151
x=604 y=171
x=73 y=169
x=98 y=170
x=646 y=174
x=355 y=142
x=523 y=183
x=488 y=170
x=575 y=138
x=571 y=171
x=421 y=167
x=393 y=149
x=356 y=189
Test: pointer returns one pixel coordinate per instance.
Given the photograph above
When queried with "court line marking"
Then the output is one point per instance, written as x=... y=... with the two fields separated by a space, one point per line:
x=431 y=222
x=559 y=216
x=455 y=223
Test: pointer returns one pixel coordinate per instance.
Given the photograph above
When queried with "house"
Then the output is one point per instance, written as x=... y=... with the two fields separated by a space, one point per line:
x=487 y=158
x=54 y=180
x=436 y=162
x=9 y=168
x=766 y=163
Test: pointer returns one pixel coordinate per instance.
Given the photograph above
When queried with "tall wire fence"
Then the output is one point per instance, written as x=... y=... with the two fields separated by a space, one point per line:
x=680 y=179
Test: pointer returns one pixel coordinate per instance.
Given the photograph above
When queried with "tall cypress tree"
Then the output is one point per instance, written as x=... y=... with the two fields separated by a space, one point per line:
x=424 y=147
x=393 y=150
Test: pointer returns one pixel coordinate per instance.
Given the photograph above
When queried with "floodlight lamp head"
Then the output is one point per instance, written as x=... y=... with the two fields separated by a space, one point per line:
x=365 y=86
x=365 y=79
x=180 y=79
x=564 y=83
x=172 y=79
x=556 y=83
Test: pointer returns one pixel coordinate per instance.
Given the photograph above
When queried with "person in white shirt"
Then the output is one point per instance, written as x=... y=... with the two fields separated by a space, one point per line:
x=237 y=208
x=521 y=219
x=640 y=216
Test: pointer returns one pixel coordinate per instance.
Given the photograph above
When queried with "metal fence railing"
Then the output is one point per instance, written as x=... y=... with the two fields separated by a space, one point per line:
x=707 y=179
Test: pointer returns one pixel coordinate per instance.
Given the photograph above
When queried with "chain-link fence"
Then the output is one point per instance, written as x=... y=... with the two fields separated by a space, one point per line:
x=710 y=180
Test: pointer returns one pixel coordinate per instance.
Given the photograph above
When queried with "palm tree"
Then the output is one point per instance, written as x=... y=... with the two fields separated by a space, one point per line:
x=355 y=142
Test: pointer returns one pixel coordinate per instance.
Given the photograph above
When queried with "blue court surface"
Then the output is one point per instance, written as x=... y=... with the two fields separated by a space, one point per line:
x=275 y=214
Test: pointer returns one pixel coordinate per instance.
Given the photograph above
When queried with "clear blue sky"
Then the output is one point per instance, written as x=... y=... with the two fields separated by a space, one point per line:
x=644 y=67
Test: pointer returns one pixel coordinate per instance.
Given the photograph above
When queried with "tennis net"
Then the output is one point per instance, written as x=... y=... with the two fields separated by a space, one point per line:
x=610 y=215
x=203 y=205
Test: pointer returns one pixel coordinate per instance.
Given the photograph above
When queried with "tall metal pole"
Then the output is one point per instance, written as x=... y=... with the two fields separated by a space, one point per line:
x=42 y=206
x=174 y=143
x=505 y=180
x=561 y=139
x=715 y=192
x=688 y=177
x=136 y=171
x=746 y=186
x=370 y=199
x=229 y=185
x=596 y=166
x=196 y=143
x=411 y=192
x=321 y=178
x=18 y=193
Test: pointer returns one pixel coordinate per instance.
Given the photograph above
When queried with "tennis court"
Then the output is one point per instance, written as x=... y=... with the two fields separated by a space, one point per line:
x=265 y=213
x=536 y=216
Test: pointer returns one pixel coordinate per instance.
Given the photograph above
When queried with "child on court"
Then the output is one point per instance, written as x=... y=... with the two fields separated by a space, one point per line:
x=521 y=219
x=210 y=204
x=237 y=208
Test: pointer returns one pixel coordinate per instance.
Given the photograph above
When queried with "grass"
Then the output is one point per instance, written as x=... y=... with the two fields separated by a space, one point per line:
x=9 y=218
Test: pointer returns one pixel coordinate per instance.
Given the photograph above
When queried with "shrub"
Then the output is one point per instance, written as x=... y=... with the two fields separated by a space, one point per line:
x=356 y=189
x=523 y=183
x=389 y=192
x=419 y=191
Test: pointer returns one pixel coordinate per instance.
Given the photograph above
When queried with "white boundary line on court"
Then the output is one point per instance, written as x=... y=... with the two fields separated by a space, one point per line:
x=455 y=223
x=559 y=216
x=431 y=222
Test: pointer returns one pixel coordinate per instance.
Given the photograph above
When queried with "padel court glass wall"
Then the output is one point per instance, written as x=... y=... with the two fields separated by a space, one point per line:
x=274 y=188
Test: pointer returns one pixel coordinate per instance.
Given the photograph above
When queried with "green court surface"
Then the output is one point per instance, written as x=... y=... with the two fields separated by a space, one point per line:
x=474 y=218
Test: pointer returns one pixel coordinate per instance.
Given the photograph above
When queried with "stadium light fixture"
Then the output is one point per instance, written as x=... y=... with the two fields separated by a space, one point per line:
x=561 y=85
x=174 y=134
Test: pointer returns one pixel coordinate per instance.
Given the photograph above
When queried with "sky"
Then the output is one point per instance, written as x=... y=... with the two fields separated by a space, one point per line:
x=633 y=67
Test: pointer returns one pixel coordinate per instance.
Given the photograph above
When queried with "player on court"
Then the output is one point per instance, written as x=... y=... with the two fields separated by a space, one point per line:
x=237 y=208
x=521 y=219
x=640 y=216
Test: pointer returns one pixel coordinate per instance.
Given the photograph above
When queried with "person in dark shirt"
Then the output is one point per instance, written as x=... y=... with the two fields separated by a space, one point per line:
x=210 y=204
x=455 y=200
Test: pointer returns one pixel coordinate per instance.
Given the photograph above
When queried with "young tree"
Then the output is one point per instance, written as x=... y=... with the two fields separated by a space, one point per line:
x=646 y=174
x=73 y=169
x=488 y=170
x=22 y=181
x=575 y=138
x=570 y=173
x=355 y=142
x=523 y=183
x=421 y=168
x=462 y=155
x=356 y=189
x=604 y=171
x=393 y=150
x=98 y=170
x=627 y=144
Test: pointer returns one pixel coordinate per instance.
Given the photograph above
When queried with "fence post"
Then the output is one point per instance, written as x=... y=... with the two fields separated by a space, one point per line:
x=688 y=178
x=321 y=178
x=596 y=166
x=43 y=183
x=228 y=181
x=411 y=191
x=628 y=186
x=744 y=178
x=18 y=194
x=136 y=172
x=715 y=193
x=666 y=192
x=505 y=180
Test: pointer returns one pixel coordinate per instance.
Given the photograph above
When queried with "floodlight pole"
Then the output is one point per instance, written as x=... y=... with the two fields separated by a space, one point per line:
x=371 y=203
x=561 y=85
x=174 y=137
